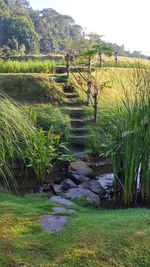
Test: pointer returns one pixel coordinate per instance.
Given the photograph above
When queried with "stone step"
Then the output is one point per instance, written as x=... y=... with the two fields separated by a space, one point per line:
x=78 y=136
x=75 y=112
x=71 y=95
x=76 y=147
x=73 y=109
x=78 y=139
x=75 y=102
x=69 y=89
x=79 y=122
x=78 y=131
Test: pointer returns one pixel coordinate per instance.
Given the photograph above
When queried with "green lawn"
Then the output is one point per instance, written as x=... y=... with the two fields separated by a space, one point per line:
x=92 y=237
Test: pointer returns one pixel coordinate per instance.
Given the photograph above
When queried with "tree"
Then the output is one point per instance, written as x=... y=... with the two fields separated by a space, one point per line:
x=19 y=30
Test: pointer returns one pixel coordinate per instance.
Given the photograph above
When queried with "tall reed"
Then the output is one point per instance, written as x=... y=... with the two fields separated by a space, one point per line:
x=129 y=141
x=15 y=129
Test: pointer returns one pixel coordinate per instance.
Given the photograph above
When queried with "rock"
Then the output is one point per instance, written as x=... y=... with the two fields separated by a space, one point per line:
x=68 y=183
x=80 y=167
x=80 y=155
x=93 y=198
x=94 y=186
x=76 y=193
x=106 y=180
x=58 y=189
x=53 y=223
x=79 y=178
x=61 y=209
x=103 y=162
x=62 y=201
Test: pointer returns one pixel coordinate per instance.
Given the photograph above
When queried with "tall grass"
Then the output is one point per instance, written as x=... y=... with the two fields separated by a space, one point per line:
x=129 y=142
x=15 y=131
x=31 y=66
x=21 y=140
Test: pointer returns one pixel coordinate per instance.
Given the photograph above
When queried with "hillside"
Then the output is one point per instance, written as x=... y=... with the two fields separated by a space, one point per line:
x=24 y=30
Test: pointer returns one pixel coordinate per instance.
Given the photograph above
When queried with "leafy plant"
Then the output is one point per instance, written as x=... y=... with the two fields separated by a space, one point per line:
x=42 y=150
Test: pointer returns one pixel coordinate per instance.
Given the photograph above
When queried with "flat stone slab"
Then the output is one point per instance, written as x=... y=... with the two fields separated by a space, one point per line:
x=62 y=201
x=61 y=209
x=53 y=223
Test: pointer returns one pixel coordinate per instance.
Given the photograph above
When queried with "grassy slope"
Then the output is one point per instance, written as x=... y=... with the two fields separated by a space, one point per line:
x=91 y=238
x=31 y=88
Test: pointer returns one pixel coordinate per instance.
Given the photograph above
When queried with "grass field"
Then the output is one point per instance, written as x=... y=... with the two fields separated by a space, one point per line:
x=92 y=237
x=31 y=66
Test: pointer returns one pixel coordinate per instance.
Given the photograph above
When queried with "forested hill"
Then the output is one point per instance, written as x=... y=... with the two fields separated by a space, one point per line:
x=27 y=31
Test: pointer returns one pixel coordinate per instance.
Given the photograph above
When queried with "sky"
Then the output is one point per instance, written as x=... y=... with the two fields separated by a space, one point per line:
x=120 y=21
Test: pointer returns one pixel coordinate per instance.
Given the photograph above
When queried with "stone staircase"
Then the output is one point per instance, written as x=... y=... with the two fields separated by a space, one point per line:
x=78 y=132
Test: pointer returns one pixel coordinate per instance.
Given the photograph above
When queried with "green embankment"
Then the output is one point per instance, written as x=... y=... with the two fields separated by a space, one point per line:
x=31 y=88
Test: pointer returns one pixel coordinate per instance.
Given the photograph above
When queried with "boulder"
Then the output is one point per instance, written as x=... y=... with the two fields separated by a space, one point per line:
x=106 y=180
x=80 y=167
x=62 y=201
x=67 y=184
x=76 y=193
x=79 y=178
x=94 y=186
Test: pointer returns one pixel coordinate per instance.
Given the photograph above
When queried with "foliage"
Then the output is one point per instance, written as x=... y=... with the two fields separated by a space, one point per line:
x=41 y=152
x=44 y=31
x=20 y=140
x=15 y=130
x=49 y=116
x=128 y=140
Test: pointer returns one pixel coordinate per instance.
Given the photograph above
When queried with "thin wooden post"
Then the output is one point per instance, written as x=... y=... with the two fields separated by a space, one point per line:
x=95 y=105
x=100 y=59
x=116 y=59
x=67 y=58
x=89 y=88
x=89 y=64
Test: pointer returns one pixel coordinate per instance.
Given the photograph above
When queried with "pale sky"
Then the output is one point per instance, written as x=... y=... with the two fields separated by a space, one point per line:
x=120 y=21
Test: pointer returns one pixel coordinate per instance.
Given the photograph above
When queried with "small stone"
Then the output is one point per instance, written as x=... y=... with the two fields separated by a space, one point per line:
x=80 y=167
x=79 y=178
x=94 y=186
x=80 y=155
x=68 y=183
x=106 y=180
x=93 y=198
x=77 y=193
x=53 y=223
x=61 y=209
x=62 y=201
x=58 y=189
